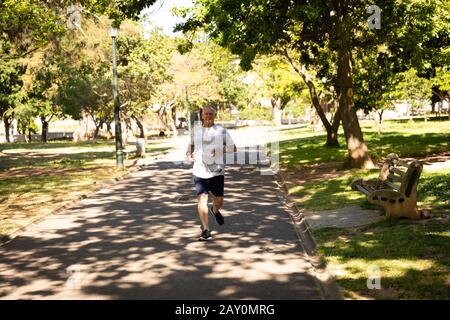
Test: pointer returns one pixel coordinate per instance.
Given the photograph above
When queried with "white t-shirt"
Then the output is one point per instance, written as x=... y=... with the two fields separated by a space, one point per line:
x=208 y=150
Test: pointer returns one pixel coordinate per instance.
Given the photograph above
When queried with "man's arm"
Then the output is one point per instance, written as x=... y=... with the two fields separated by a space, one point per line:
x=229 y=145
x=190 y=152
x=228 y=149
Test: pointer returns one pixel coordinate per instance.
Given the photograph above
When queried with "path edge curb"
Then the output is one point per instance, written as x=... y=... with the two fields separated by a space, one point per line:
x=325 y=279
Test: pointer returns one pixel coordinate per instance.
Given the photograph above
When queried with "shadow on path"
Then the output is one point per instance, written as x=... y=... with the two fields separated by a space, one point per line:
x=136 y=241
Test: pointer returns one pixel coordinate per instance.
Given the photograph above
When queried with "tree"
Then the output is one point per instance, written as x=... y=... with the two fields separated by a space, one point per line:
x=441 y=87
x=11 y=71
x=41 y=95
x=374 y=83
x=224 y=65
x=413 y=89
x=340 y=26
x=144 y=68
x=315 y=88
x=88 y=89
x=280 y=26
x=28 y=25
x=277 y=81
x=25 y=114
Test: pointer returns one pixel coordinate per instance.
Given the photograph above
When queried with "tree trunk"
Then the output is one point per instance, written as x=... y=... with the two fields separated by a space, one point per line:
x=357 y=148
x=140 y=126
x=332 y=134
x=109 y=134
x=173 y=123
x=331 y=130
x=276 y=111
x=381 y=118
x=380 y=121
x=7 y=123
x=125 y=131
x=376 y=119
x=96 y=131
x=438 y=112
x=29 y=131
x=24 y=132
x=44 y=129
x=166 y=119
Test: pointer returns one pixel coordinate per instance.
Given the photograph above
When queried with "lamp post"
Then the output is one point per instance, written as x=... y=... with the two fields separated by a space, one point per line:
x=113 y=32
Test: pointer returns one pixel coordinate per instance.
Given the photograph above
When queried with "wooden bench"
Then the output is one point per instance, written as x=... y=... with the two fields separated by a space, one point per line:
x=395 y=188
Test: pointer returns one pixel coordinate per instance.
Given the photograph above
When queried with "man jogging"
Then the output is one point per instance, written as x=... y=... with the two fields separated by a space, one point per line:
x=206 y=149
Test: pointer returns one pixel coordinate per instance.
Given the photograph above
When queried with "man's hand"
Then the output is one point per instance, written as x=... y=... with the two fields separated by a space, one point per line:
x=190 y=157
x=229 y=149
x=190 y=153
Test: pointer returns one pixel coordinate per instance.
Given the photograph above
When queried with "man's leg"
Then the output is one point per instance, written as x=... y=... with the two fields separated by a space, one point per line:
x=217 y=203
x=202 y=207
x=217 y=187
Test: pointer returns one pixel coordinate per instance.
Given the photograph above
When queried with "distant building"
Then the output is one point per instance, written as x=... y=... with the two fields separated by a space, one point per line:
x=403 y=108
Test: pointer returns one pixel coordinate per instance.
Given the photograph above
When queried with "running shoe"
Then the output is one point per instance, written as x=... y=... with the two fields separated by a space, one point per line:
x=206 y=235
x=219 y=218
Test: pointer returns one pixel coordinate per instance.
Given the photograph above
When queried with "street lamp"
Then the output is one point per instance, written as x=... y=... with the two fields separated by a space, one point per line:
x=113 y=32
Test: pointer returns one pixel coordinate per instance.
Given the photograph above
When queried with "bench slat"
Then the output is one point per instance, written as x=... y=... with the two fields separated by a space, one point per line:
x=391 y=185
x=365 y=189
x=395 y=178
x=395 y=188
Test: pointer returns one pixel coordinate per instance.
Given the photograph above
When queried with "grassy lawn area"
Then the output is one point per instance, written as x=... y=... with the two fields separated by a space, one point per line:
x=413 y=256
x=37 y=178
x=433 y=192
x=407 y=139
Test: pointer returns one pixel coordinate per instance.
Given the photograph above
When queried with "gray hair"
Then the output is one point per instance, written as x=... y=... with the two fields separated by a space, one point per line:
x=209 y=106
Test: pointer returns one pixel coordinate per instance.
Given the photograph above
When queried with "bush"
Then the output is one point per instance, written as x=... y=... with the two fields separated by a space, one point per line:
x=255 y=113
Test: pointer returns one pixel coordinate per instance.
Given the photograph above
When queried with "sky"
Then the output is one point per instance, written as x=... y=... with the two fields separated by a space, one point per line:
x=159 y=14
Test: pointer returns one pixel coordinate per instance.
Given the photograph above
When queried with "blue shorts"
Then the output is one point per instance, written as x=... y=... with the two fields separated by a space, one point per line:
x=214 y=184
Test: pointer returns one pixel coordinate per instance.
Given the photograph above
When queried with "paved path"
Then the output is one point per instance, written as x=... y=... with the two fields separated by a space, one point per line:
x=137 y=241
x=346 y=217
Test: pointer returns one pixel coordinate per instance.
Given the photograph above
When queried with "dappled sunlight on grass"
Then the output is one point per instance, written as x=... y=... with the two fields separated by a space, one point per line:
x=413 y=139
x=433 y=191
x=309 y=151
x=41 y=146
x=301 y=146
x=37 y=178
x=330 y=193
x=389 y=268
x=29 y=197
x=412 y=258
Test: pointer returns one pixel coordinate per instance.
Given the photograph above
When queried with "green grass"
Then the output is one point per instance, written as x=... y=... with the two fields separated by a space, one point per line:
x=330 y=194
x=410 y=139
x=56 y=145
x=433 y=192
x=55 y=155
x=413 y=256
